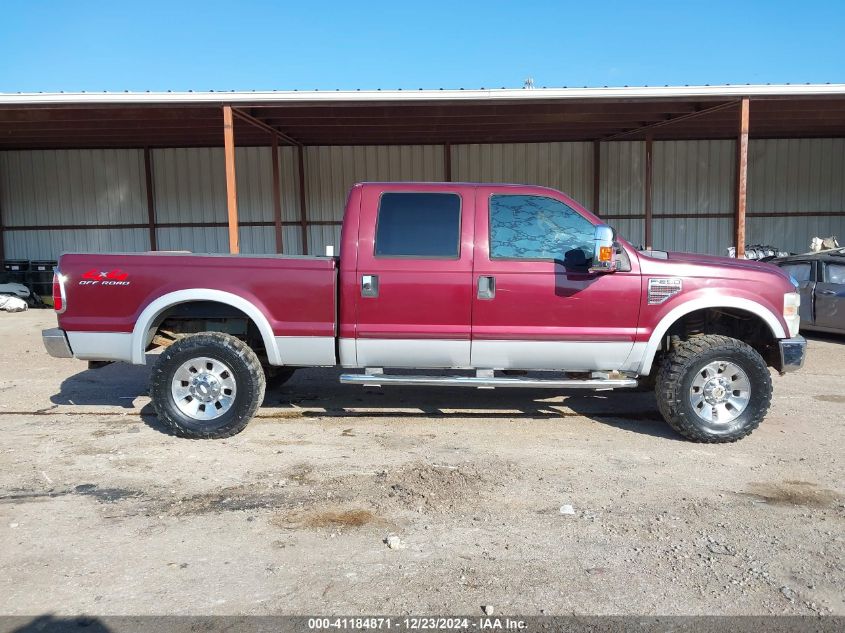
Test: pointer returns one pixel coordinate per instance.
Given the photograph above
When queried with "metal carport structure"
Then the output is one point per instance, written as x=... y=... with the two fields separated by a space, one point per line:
x=655 y=160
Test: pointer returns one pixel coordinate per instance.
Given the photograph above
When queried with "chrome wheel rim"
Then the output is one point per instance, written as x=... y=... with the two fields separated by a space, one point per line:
x=719 y=393
x=203 y=388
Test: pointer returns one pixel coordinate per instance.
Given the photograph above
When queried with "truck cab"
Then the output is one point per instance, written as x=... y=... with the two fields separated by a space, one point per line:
x=481 y=277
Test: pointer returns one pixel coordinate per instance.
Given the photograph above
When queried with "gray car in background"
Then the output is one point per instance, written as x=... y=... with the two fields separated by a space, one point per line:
x=821 y=282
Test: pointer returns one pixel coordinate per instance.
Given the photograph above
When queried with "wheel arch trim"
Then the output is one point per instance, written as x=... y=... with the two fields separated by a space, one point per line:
x=700 y=303
x=148 y=316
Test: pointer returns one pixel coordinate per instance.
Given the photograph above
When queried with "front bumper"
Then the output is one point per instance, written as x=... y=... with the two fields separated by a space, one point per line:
x=56 y=343
x=792 y=353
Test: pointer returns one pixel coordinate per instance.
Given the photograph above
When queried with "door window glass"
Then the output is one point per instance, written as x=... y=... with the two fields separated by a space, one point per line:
x=835 y=273
x=418 y=225
x=800 y=271
x=536 y=227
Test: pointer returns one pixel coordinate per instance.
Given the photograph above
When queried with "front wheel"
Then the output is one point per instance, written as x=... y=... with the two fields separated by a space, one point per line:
x=207 y=386
x=713 y=388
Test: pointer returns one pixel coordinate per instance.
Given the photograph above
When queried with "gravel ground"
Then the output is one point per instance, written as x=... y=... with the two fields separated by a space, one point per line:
x=101 y=512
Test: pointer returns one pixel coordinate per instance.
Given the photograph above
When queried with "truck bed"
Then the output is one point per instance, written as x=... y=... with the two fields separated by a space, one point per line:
x=108 y=292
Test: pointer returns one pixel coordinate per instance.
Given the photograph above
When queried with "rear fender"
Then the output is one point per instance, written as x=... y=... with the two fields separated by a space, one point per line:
x=148 y=317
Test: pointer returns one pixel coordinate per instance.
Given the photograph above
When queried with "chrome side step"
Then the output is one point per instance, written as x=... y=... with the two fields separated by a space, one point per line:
x=485 y=382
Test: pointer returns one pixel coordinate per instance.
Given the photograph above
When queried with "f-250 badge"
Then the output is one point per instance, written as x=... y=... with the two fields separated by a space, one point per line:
x=114 y=277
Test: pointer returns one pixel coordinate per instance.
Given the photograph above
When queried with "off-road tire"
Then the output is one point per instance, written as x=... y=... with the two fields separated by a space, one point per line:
x=276 y=376
x=247 y=372
x=678 y=370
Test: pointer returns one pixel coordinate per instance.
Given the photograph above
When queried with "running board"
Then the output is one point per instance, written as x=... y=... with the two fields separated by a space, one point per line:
x=484 y=382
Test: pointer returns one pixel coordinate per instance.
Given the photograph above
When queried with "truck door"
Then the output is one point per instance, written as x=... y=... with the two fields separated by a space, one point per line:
x=535 y=305
x=414 y=276
x=830 y=296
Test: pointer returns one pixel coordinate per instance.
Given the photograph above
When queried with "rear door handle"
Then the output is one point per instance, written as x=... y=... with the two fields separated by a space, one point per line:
x=369 y=285
x=827 y=292
x=486 y=287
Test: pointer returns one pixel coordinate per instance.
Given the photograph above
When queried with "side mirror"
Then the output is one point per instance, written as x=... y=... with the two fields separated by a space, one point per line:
x=604 y=253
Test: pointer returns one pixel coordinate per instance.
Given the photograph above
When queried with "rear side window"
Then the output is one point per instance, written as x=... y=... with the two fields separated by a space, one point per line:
x=800 y=271
x=835 y=273
x=418 y=225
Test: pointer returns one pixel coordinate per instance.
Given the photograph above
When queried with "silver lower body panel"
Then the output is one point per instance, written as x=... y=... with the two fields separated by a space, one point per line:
x=485 y=381
x=107 y=346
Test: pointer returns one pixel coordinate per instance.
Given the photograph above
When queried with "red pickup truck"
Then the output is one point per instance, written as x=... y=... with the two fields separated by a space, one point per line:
x=490 y=282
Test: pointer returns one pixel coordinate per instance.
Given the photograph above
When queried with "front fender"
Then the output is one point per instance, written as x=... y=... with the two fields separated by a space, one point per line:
x=702 y=299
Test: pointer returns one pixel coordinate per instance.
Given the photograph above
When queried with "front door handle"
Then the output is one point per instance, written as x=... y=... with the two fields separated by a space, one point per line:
x=369 y=285
x=486 y=287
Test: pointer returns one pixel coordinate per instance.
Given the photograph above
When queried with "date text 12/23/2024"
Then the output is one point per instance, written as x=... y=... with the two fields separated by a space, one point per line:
x=417 y=623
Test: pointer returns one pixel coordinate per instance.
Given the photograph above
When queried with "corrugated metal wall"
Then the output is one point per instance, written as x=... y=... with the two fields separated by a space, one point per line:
x=49 y=244
x=564 y=166
x=689 y=178
x=622 y=187
x=331 y=171
x=72 y=187
x=190 y=187
x=796 y=182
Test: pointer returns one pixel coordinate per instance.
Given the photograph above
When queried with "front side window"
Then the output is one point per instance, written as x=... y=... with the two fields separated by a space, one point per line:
x=835 y=273
x=800 y=271
x=536 y=227
x=418 y=225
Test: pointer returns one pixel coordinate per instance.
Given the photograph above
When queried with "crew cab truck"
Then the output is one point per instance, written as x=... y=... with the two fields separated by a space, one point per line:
x=498 y=284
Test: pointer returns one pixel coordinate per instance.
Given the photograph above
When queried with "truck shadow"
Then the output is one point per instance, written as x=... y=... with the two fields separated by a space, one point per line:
x=316 y=393
x=115 y=385
x=828 y=337
x=55 y=624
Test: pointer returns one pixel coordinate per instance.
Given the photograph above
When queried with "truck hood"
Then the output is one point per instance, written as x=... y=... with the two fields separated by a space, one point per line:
x=696 y=265
x=722 y=262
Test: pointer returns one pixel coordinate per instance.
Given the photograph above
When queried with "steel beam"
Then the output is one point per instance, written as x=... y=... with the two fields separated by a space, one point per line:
x=447 y=161
x=676 y=119
x=649 y=177
x=596 y=176
x=265 y=223
x=2 y=236
x=231 y=183
x=264 y=126
x=2 y=232
x=303 y=211
x=741 y=177
x=277 y=196
x=151 y=208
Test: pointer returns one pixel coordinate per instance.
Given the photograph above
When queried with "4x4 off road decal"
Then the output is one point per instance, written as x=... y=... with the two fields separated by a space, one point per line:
x=114 y=277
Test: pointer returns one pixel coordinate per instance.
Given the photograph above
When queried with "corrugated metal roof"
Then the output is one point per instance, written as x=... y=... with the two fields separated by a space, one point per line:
x=480 y=94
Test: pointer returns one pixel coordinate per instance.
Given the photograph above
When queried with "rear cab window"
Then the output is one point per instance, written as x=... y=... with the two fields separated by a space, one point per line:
x=418 y=225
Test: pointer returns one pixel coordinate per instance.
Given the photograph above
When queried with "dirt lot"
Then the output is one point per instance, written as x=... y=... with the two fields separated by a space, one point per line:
x=101 y=512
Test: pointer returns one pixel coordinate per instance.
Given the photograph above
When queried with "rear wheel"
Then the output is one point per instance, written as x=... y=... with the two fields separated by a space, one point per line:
x=713 y=388
x=207 y=386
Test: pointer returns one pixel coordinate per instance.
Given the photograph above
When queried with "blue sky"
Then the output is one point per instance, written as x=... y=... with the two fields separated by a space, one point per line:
x=242 y=44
